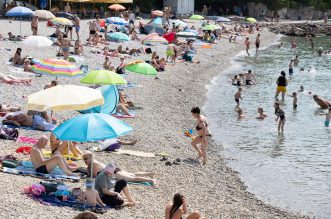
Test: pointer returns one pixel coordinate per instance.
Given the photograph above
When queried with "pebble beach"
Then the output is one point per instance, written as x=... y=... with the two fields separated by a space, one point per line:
x=163 y=115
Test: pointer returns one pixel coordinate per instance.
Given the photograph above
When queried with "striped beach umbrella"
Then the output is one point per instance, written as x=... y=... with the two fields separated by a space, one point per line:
x=56 y=68
x=61 y=21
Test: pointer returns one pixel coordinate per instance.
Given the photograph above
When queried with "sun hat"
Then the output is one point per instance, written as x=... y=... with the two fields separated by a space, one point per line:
x=110 y=168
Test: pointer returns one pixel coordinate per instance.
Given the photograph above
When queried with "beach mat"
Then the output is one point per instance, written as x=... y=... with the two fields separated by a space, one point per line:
x=23 y=127
x=71 y=203
x=26 y=169
x=134 y=153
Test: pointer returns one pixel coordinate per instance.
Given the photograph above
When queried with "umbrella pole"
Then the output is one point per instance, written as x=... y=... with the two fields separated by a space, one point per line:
x=20 y=27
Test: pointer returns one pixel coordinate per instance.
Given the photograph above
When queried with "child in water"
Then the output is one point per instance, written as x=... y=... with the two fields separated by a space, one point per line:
x=237 y=96
x=295 y=100
x=241 y=114
x=90 y=196
x=262 y=115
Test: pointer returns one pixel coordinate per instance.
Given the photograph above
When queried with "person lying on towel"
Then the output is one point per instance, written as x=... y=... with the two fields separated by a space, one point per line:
x=45 y=166
x=33 y=121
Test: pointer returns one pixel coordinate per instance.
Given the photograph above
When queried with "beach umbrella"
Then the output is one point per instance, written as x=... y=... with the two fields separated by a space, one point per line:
x=157 y=13
x=117 y=21
x=38 y=41
x=211 y=27
x=154 y=28
x=170 y=37
x=56 y=67
x=44 y=14
x=117 y=36
x=196 y=17
x=154 y=39
x=252 y=20
x=103 y=77
x=179 y=23
x=91 y=127
x=157 y=20
x=116 y=7
x=236 y=18
x=61 y=21
x=65 y=97
x=141 y=67
x=65 y=15
x=20 y=12
x=186 y=34
x=223 y=19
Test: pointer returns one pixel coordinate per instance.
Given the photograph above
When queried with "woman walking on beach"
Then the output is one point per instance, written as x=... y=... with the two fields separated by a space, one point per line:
x=178 y=208
x=203 y=134
x=281 y=116
x=281 y=85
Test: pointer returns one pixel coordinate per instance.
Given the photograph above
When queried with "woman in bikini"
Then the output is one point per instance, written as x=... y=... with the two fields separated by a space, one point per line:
x=203 y=134
x=78 y=49
x=65 y=46
x=17 y=59
x=178 y=208
x=281 y=116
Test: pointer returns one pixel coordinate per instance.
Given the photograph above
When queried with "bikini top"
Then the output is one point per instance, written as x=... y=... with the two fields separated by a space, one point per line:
x=198 y=128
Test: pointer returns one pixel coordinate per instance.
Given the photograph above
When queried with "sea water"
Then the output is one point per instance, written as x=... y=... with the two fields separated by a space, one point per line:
x=291 y=170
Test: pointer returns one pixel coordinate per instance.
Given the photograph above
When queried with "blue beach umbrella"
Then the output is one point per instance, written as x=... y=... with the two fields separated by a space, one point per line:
x=19 y=12
x=158 y=20
x=91 y=127
x=117 y=21
x=117 y=36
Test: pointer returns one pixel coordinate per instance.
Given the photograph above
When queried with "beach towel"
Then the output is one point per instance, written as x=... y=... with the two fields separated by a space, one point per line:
x=134 y=153
x=140 y=183
x=47 y=199
x=26 y=168
x=27 y=140
x=120 y=115
x=24 y=127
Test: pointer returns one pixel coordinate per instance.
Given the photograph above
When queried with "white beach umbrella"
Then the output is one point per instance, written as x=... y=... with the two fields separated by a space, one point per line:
x=37 y=41
x=44 y=14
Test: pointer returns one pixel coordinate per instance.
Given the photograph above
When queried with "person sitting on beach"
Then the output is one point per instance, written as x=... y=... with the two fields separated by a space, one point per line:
x=250 y=78
x=157 y=63
x=178 y=208
x=36 y=122
x=91 y=196
x=108 y=65
x=323 y=103
x=262 y=115
x=120 y=68
x=134 y=35
x=52 y=84
x=9 y=108
x=64 y=147
x=123 y=99
x=65 y=47
x=9 y=79
x=104 y=184
x=17 y=59
x=187 y=57
x=78 y=48
x=46 y=166
x=27 y=66
x=12 y=37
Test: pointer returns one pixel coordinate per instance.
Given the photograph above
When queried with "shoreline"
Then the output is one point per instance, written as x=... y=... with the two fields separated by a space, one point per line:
x=215 y=190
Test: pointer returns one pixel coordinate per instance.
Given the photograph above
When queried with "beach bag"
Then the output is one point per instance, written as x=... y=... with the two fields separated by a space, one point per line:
x=120 y=71
x=8 y=133
x=10 y=163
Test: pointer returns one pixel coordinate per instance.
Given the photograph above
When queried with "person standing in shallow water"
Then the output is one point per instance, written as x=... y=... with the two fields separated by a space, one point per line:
x=281 y=116
x=257 y=43
x=203 y=135
x=247 y=43
x=281 y=85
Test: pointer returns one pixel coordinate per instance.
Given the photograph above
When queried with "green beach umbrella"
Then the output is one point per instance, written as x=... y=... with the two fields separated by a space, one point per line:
x=211 y=27
x=103 y=77
x=141 y=68
x=252 y=20
x=196 y=17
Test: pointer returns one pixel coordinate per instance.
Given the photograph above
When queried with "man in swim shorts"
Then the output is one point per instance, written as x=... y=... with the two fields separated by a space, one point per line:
x=43 y=165
x=34 y=25
x=257 y=43
x=65 y=46
x=93 y=30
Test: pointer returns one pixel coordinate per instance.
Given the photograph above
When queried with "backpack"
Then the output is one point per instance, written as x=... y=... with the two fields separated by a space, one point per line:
x=8 y=133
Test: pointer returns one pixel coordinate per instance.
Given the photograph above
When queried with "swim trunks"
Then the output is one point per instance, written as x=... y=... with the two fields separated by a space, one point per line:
x=281 y=88
x=327 y=123
x=65 y=49
x=249 y=82
x=42 y=169
x=92 y=31
x=257 y=45
x=40 y=123
x=290 y=71
x=237 y=100
x=77 y=28
x=69 y=28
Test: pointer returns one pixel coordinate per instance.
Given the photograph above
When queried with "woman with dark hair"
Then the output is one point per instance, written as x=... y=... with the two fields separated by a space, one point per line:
x=178 y=208
x=281 y=85
x=281 y=116
x=17 y=59
x=203 y=134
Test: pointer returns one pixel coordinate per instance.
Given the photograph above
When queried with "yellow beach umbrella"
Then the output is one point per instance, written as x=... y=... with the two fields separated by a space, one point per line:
x=65 y=97
x=61 y=21
x=252 y=20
